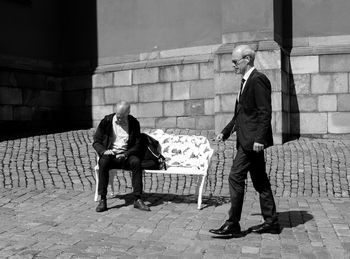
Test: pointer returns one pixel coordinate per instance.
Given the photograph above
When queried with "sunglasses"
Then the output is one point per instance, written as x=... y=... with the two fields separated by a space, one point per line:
x=235 y=62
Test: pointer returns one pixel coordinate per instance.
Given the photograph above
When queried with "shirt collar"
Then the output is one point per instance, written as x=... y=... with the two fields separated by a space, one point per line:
x=247 y=74
x=114 y=120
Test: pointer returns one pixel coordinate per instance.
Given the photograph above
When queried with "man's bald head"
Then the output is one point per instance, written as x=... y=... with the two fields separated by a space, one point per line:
x=122 y=112
x=243 y=58
x=123 y=107
x=244 y=51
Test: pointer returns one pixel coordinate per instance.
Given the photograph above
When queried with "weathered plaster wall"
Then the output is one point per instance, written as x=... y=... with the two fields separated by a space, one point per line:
x=135 y=26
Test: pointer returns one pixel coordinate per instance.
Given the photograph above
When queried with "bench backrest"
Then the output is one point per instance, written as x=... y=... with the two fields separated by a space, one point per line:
x=184 y=150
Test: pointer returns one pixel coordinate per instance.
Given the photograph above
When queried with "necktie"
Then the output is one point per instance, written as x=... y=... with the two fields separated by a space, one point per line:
x=240 y=90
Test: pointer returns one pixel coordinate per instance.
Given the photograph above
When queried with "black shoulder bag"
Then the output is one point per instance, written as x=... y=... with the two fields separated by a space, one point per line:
x=152 y=159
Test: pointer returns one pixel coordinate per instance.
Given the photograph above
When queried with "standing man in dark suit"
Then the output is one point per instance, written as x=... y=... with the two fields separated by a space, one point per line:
x=252 y=124
x=117 y=141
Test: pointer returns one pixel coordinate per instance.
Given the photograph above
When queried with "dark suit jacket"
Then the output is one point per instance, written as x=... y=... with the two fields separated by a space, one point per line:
x=252 y=117
x=103 y=136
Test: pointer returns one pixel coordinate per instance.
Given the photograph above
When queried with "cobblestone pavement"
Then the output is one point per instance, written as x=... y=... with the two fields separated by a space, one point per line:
x=47 y=208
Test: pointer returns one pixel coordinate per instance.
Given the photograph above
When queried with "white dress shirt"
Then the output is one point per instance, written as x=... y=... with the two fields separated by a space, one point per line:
x=120 y=138
x=245 y=77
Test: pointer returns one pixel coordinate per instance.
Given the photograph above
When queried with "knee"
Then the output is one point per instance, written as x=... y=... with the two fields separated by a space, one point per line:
x=262 y=187
x=134 y=162
x=103 y=161
x=236 y=179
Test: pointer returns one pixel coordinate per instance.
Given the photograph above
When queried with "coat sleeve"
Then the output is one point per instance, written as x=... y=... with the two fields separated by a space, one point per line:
x=262 y=92
x=98 y=138
x=136 y=148
x=229 y=129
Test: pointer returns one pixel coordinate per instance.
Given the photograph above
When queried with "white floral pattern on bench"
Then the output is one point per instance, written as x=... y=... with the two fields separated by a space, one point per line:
x=183 y=150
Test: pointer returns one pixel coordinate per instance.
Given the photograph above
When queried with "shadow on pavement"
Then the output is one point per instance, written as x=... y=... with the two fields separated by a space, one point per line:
x=155 y=199
x=287 y=219
x=292 y=218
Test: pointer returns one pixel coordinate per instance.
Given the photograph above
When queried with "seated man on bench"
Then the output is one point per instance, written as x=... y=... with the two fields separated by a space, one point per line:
x=117 y=141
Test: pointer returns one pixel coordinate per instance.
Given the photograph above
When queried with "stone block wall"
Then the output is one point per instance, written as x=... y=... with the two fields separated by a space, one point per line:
x=166 y=89
x=321 y=89
x=193 y=88
x=29 y=101
x=77 y=100
x=310 y=89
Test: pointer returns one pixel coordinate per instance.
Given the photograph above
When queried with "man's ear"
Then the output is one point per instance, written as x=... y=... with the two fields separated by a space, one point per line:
x=250 y=60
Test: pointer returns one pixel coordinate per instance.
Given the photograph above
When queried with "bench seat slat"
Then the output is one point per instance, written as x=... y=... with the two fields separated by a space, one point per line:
x=178 y=170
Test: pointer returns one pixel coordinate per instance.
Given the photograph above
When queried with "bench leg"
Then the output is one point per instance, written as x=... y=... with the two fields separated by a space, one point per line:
x=200 y=192
x=96 y=189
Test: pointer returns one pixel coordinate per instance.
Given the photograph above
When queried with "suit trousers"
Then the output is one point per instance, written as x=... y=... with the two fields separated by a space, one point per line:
x=254 y=162
x=107 y=162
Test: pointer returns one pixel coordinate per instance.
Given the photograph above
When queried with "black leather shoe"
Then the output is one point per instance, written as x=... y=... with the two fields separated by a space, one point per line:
x=102 y=206
x=266 y=228
x=139 y=204
x=227 y=229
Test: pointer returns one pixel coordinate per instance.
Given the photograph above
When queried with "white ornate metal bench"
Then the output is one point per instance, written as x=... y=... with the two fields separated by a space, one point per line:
x=184 y=154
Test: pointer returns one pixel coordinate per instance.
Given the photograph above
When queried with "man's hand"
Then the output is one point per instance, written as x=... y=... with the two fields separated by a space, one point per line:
x=257 y=147
x=108 y=152
x=220 y=137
